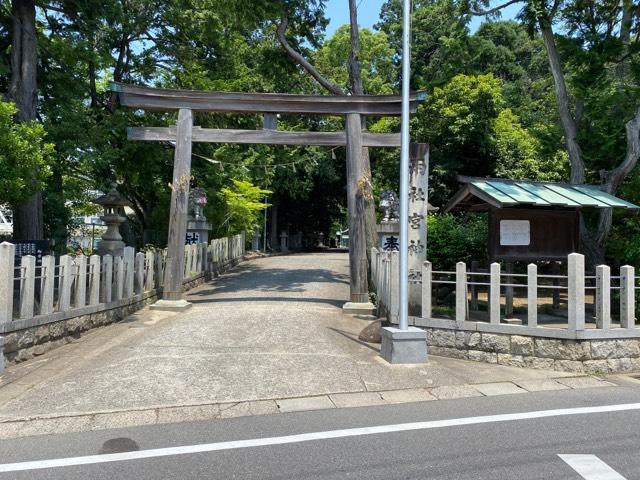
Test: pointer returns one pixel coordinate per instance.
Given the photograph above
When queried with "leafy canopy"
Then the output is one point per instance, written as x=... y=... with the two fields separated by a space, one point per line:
x=23 y=151
x=244 y=202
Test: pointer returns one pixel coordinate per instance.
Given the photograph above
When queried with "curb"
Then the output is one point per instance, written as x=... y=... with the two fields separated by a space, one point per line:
x=159 y=415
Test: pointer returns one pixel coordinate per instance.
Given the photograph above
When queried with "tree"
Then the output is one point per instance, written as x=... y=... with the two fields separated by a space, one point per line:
x=365 y=186
x=23 y=151
x=598 y=39
x=244 y=202
x=457 y=119
x=27 y=215
x=378 y=72
x=519 y=153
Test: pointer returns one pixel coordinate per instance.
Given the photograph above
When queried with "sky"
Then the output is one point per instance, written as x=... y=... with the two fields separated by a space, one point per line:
x=369 y=14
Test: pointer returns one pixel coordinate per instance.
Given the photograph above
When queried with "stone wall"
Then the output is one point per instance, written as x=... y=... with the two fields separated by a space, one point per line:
x=580 y=356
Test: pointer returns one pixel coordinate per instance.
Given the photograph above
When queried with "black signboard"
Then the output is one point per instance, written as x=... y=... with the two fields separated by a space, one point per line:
x=37 y=248
x=192 y=237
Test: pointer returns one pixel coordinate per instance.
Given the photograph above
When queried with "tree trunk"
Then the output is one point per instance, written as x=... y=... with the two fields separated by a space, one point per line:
x=357 y=88
x=27 y=217
x=562 y=98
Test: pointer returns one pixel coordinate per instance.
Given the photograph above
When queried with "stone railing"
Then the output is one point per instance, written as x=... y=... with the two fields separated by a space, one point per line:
x=477 y=319
x=68 y=294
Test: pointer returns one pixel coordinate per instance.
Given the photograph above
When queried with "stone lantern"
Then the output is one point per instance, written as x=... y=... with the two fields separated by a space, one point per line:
x=197 y=226
x=113 y=215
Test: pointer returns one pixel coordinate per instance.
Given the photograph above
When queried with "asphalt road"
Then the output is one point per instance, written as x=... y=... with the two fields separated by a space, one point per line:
x=490 y=446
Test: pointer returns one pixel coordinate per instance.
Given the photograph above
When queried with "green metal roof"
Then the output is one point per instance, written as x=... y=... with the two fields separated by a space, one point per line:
x=508 y=193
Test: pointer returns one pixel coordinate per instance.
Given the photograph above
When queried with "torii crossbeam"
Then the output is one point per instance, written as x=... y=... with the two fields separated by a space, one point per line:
x=269 y=104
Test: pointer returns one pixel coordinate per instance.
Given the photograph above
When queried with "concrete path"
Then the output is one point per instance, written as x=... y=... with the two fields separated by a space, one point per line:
x=271 y=329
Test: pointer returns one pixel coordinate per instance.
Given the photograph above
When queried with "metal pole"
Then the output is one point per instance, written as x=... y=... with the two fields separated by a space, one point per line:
x=403 y=313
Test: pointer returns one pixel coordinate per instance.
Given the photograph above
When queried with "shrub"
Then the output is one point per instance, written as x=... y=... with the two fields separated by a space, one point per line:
x=456 y=238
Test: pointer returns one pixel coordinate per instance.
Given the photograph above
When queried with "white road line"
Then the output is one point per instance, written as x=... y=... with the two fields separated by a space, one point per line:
x=307 y=437
x=591 y=467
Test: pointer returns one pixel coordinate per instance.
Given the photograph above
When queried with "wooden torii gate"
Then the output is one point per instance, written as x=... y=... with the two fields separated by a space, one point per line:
x=268 y=104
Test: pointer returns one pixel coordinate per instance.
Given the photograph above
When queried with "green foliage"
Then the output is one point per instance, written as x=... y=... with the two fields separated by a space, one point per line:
x=518 y=152
x=23 y=151
x=456 y=238
x=457 y=119
x=376 y=59
x=623 y=246
x=244 y=202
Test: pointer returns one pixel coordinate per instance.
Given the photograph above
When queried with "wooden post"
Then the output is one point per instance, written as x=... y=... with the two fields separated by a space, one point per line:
x=359 y=288
x=603 y=297
x=94 y=280
x=47 y=280
x=532 y=295
x=627 y=297
x=174 y=268
x=461 y=293
x=575 y=291
x=494 y=293
x=80 y=296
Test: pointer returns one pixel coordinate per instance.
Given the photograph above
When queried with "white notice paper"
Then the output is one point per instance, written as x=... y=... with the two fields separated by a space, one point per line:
x=515 y=232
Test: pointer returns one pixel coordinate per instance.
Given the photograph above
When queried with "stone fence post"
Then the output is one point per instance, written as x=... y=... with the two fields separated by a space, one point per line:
x=7 y=254
x=139 y=270
x=65 y=280
x=461 y=293
x=575 y=292
x=94 y=279
x=394 y=286
x=532 y=295
x=603 y=297
x=128 y=258
x=27 y=286
x=627 y=297
x=47 y=281
x=494 y=293
x=80 y=290
x=107 y=279
x=426 y=290
x=118 y=269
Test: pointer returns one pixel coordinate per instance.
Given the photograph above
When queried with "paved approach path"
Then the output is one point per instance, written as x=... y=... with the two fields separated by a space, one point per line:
x=271 y=329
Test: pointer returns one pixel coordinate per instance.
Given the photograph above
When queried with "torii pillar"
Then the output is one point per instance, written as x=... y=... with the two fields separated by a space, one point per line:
x=359 y=302
x=172 y=295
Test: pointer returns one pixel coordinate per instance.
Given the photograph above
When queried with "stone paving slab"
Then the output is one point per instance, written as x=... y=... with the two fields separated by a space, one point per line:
x=450 y=392
x=541 y=385
x=408 y=395
x=306 y=403
x=360 y=399
x=584 y=382
x=499 y=388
